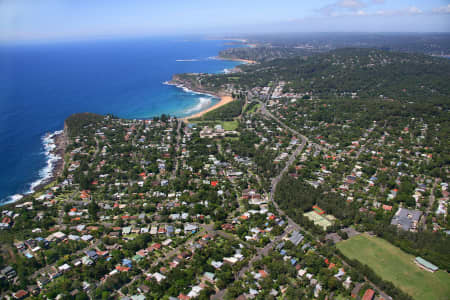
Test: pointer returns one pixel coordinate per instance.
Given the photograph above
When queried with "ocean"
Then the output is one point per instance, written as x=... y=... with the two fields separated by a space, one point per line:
x=42 y=84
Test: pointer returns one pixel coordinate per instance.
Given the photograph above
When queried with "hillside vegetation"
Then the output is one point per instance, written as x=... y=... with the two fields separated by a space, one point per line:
x=368 y=72
x=262 y=54
x=77 y=123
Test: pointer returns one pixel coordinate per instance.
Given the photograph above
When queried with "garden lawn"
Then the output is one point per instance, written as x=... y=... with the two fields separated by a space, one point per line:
x=396 y=266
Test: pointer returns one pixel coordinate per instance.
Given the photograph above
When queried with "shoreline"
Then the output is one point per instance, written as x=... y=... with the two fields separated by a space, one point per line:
x=57 y=167
x=245 y=61
x=55 y=144
x=223 y=101
x=189 y=89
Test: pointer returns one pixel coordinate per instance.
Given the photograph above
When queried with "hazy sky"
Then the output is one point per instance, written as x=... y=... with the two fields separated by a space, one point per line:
x=56 y=19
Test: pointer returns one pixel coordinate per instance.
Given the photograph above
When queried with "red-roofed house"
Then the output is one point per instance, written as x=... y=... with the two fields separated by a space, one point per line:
x=155 y=246
x=122 y=269
x=7 y=220
x=182 y=296
x=368 y=295
x=102 y=253
x=263 y=273
x=387 y=207
x=227 y=226
x=20 y=294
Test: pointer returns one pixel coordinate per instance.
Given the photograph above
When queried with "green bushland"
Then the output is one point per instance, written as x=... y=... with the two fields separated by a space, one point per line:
x=226 y=113
x=77 y=123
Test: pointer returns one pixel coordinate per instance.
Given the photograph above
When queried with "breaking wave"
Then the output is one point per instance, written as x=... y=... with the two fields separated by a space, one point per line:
x=203 y=103
x=46 y=172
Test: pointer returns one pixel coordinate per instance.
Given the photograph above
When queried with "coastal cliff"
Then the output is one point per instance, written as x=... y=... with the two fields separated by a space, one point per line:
x=58 y=141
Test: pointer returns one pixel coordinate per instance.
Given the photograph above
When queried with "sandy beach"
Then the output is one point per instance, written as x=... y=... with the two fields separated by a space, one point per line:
x=223 y=100
x=245 y=61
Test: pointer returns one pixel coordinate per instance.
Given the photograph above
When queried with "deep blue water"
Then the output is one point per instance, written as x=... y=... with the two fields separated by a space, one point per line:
x=42 y=84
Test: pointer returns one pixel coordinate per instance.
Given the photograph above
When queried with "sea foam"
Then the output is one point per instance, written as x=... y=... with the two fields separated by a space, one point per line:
x=46 y=173
x=186 y=60
x=203 y=103
x=13 y=198
x=48 y=141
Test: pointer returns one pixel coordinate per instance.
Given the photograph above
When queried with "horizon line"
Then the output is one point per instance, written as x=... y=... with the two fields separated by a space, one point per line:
x=218 y=36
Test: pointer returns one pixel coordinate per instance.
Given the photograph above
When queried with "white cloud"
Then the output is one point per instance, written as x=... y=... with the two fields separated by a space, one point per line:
x=361 y=13
x=350 y=4
x=336 y=8
x=355 y=8
x=414 y=10
x=408 y=11
x=442 y=10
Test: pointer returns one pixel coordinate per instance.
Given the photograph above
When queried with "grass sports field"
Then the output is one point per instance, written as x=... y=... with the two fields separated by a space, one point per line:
x=226 y=125
x=394 y=265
